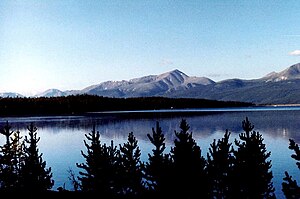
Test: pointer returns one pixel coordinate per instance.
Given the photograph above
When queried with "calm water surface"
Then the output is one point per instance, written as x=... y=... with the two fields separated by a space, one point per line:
x=62 y=137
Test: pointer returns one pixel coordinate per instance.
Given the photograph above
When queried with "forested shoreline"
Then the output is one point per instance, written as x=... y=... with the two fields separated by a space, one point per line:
x=241 y=169
x=80 y=104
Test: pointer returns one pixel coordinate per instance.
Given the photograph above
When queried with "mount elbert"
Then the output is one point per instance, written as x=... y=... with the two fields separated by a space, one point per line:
x=275 y=88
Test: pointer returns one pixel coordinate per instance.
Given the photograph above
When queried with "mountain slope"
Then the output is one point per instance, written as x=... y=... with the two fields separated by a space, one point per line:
x=283 y=92
x=291 y=73
x=152 y=85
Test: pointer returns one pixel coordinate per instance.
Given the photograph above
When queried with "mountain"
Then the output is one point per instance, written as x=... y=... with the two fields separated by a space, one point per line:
x=258 y=92
x=274 y=88
x=10 y=94
x=291 y=73
x=152 y=85
x=51 y=93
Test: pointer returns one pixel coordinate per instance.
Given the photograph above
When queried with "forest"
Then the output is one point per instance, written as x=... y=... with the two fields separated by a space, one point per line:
x=241 y=169
x=81 y=104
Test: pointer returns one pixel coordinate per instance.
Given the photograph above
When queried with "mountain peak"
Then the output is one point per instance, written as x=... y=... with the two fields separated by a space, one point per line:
x=294 y=69
x=292 y=72
x=174 y=76
x=176 y=73
x=51 y=93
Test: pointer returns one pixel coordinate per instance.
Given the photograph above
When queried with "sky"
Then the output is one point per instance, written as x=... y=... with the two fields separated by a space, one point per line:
x=69 y=45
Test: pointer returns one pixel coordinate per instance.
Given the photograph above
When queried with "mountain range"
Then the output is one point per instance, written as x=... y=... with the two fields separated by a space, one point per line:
x=274 y=88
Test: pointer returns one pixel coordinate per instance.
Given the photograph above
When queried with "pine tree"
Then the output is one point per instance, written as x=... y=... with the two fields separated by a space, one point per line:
x=18 y=150
x=131 y=168
x=252 y=175
x=99 y=168
x=190 y=166
x=220 y=161
x=8 y=160
x=92 y=168
x=290 y=187
x=159 y=165
x=34 y=176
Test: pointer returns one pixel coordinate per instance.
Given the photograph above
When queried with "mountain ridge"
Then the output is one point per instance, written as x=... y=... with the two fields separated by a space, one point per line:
x=292 y=72
x=275 y=87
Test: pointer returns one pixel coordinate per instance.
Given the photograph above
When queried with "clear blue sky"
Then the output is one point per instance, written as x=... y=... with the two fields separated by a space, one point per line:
x=73 y=44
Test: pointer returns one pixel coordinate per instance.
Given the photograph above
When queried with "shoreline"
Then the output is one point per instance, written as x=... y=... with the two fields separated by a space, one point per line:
x=166 y=112
x=280 y=105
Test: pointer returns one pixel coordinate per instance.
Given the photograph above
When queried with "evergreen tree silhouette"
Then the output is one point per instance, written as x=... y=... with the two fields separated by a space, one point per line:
x=9 y=161
x=290 y=187
x=159 y=165
x=220 y=161
x=34 y=176
x=252 y=175
x=18 y=150
x=190 y=167
x=130 y=174
x=99 y=168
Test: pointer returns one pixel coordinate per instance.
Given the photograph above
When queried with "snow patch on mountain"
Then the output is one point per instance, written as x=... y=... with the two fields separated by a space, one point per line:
x=10 y=94
x=51 y=93
x=291 y=73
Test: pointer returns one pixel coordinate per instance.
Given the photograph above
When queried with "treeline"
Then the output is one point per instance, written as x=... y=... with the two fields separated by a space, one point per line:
x=230 y=170
x=78 y=104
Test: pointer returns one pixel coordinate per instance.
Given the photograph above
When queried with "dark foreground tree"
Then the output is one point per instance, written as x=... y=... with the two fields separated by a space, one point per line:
x=130 y=169
x=220 y=161
x=290 y=187
x=252 y=175
x=159 y=165
x=34 y=176
x=10 y=152
x=190 y=175
x=99 y=168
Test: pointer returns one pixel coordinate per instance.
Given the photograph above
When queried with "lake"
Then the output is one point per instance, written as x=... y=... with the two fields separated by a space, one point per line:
x=62 y=136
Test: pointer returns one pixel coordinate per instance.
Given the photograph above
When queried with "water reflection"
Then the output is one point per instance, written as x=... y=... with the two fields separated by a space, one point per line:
x=277 y=123
x=62 y=137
